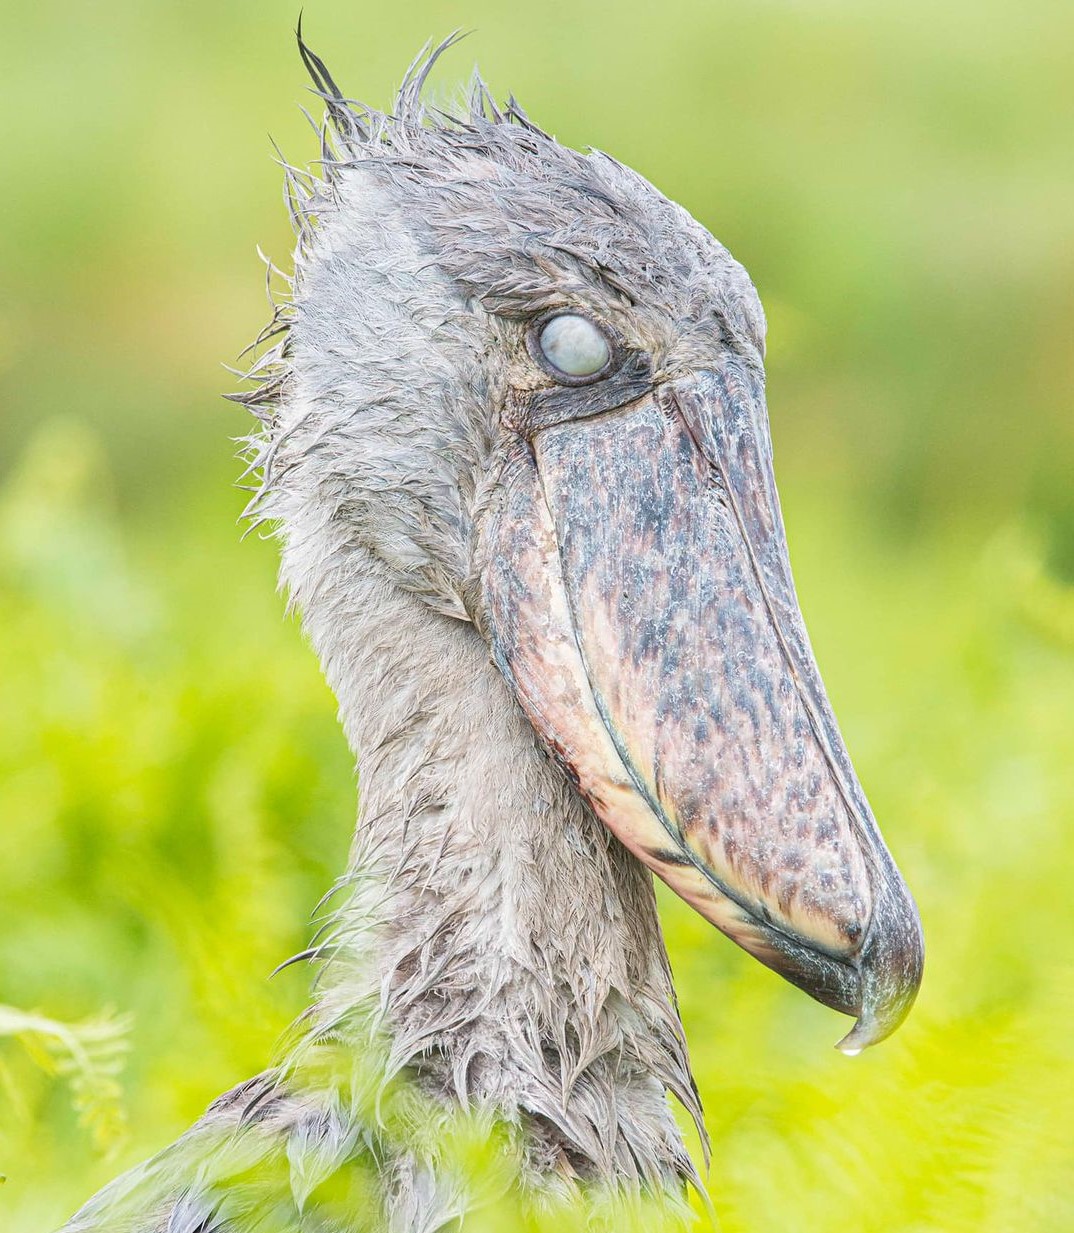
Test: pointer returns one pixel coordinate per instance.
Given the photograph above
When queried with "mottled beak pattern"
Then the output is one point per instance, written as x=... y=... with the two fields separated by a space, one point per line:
x=642 y=608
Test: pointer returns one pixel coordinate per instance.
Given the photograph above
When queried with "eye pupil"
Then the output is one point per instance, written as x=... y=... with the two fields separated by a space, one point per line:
x=574 y=345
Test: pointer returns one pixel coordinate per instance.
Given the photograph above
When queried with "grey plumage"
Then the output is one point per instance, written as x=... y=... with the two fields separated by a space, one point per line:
x=493 y=948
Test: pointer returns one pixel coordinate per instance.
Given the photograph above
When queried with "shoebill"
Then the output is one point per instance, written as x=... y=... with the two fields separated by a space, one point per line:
x=514 y=442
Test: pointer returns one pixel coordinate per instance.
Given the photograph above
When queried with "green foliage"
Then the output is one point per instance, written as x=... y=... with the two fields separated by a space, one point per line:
x=174 y=793
x=89 y=1055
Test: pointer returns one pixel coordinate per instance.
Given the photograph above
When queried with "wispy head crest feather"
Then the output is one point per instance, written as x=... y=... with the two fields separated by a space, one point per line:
x=352 y=132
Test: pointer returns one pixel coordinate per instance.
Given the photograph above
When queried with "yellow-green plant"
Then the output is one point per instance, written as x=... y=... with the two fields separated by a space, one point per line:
x=89 y=1056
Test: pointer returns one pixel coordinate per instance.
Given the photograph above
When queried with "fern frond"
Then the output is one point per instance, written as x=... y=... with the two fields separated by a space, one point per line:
x=89 y=1055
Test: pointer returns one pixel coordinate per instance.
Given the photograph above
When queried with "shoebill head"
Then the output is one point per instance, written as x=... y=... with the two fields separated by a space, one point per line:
x=533 y=387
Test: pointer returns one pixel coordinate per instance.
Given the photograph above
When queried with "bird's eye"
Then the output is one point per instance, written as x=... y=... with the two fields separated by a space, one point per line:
x=573 y=347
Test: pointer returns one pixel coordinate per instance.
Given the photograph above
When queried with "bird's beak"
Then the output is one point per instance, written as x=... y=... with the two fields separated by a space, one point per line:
x=640 y=604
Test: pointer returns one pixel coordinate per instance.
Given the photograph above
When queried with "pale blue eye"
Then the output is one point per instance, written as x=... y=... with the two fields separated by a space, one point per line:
x=574 y=345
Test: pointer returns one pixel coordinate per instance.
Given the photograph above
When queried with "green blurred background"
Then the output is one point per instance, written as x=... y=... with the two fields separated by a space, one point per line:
x=174 y=793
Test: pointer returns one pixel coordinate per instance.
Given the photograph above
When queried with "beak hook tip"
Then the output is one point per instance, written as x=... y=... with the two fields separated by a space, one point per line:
x=865 y=1032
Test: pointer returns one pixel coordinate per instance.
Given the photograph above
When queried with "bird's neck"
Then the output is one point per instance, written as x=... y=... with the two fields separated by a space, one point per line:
x=508 y=944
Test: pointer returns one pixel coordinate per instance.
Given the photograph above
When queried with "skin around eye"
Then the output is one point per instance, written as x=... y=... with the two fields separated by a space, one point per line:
x=574 y=345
